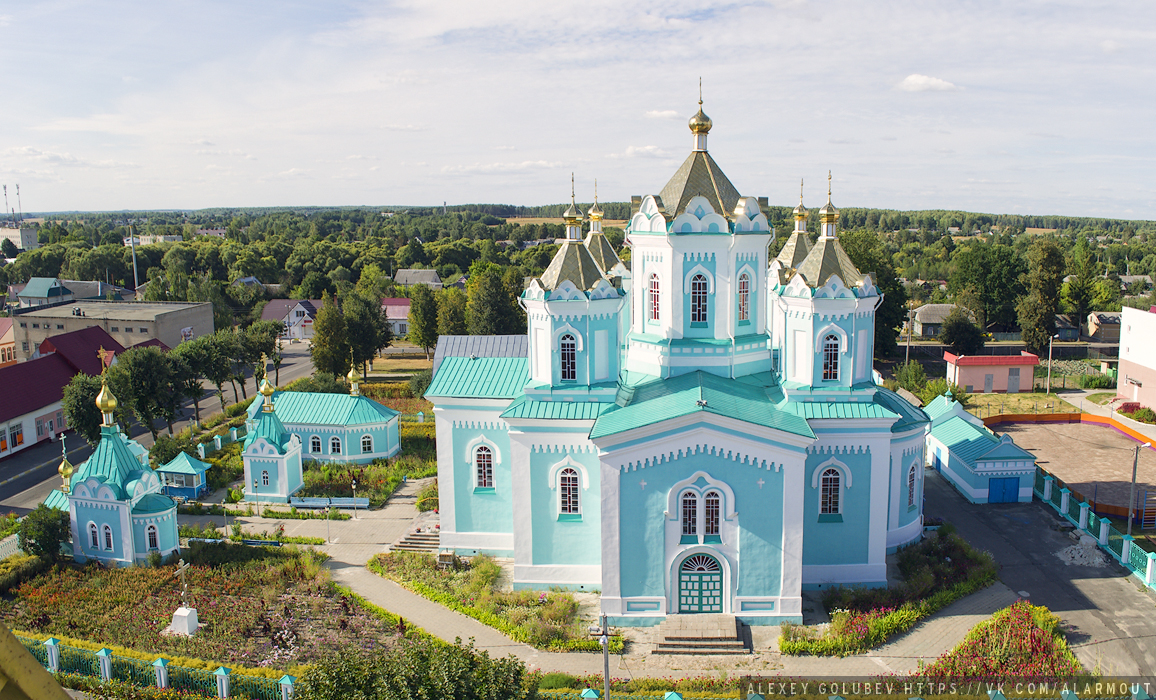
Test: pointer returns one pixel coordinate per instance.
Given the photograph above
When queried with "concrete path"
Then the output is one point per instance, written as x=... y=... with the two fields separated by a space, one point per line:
x=1079 y=399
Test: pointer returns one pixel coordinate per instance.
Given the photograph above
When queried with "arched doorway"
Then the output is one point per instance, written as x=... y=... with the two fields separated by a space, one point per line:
x=700 y=585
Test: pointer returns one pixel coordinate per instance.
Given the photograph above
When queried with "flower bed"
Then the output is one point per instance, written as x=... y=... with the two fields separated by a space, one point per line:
x=381 y=477
x=937 y=572
x=543 y=620
x=259 y=607
x=1021 y=642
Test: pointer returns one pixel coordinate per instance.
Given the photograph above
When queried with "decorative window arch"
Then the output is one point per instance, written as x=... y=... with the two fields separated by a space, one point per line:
x=567 y=329
x=151 y=532
x=335 y=445
x=744 y=297
x=830 y=492
x=830 y=328
x=484 y=465
x=698 y=299
x=833 y=462
x=655 y=298
x=831 y=357
x=366 y=444
x=93 y=536
x=568 y=503
x=695 y=271
x=568 y=353
x=688 y=514
x=911 y=476
x=264 y=477
x=107 y=537
x=315 y=444
x=568 y=463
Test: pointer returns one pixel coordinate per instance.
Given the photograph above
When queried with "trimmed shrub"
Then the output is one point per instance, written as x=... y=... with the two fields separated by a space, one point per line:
x=1096 y=380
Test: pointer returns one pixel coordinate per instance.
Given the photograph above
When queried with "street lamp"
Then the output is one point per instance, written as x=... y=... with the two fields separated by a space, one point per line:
x=1132 y=492
x=1050 y=361
x=353 y=483
x=603 y=634
x=255 y=499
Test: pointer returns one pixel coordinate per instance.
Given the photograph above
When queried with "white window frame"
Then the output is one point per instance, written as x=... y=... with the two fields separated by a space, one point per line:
x=264 y=477
x=93 y=535
x=152 y=537
x=688 y=529
x=483 y=480
x=568 y=367
x=366 y=439
x=912 y=485
x=654 y=298
x=699 y=299
x=315 y=440
x=831 y=356
x=844 y=483
x=744 y=297
x=108 y=542
x=569 y=494
x=335 y=442
x=826 y=495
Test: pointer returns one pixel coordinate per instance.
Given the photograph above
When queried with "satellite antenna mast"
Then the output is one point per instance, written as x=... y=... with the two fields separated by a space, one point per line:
x=132 y=244
x=6 y=210
x=18 y=204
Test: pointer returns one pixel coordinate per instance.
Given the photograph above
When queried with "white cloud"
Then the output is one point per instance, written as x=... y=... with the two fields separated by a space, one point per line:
x=640 y=152
x=402 y=127
x=502 y=167
x=1110 y=46
x=5 y=20
x=924 y=83
x=663 y=114
x=63 y=159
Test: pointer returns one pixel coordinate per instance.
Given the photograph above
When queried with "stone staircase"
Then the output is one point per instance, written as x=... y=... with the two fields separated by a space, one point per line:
x=418 y=542
x=701 y=635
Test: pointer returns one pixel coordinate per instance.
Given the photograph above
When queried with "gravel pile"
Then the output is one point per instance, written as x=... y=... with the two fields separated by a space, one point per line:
x=1082 y=555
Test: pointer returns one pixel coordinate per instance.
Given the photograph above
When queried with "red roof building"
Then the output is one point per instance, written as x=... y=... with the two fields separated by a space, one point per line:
x=988 y=374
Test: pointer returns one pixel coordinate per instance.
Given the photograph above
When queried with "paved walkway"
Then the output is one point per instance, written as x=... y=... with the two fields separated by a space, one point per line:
x=1079 y=399
x=354 y=542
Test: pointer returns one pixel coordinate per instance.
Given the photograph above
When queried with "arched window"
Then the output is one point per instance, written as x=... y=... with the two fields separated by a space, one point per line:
x=744 y=297
x=829 y=494
x=569 y=358
x=698 y=288
x=366 y=444
x=689 y=515
x=152 y=535
x=265 y=477
x=315 y=444
x=335 y=446
x=654 y=306
x=93 y=537
x=711 y=504
x=569 y=491
x=831 y=357
x=484 y=460
x=911 y=486
x=107 y=537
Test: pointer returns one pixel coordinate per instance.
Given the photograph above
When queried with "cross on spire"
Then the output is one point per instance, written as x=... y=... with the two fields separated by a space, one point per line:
x=828 y=185
x=700 y=91
x=572 y=188
x=800 y=191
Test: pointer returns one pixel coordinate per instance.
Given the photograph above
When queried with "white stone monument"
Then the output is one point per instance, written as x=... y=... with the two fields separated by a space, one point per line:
x=185 y=621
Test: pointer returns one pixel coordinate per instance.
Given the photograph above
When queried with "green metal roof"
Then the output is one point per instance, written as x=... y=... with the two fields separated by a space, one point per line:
x=1007 y=449
x=838 y=409
x=38 y=287
x=268 y=426
x=153 y=503
x=664 y=399
x=112 y=460
x=184 y=464
x=309 y=408
x=909 y=414
x=556 y=410
x=480 y=377
x=966 y=440
x=939 y=405
x=574 y=263
x=56 y=499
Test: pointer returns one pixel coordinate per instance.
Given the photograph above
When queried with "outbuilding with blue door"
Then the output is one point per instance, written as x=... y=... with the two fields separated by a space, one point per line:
x=184 y=476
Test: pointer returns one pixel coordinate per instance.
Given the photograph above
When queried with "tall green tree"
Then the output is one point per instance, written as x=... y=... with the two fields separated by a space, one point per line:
x=423 y=317
x=368 y=329
x=1037 y=311
x=960 y=334
x=867 y=251
x=993 y=273
x=219 y=350
x=80 y=407
x=492 y=309
x=1080 y=290
x=452 y=312
x=330 y=346
x=151 y=393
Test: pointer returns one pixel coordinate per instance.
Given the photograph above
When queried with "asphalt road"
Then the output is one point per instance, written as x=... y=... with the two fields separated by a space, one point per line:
x=27 y=477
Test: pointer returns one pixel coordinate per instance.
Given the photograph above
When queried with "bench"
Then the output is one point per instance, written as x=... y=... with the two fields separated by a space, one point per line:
x=309 y=502
x=261 y=543
x=205 y=540
x=327 y=502
x=350 y=502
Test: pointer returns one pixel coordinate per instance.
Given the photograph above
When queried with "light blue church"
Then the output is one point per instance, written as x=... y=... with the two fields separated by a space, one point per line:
x=695 y=432
x=115 y=501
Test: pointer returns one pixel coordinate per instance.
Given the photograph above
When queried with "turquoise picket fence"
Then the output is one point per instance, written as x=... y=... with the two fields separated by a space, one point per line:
x=82 y=661
x=1039 y=482
x=193 y=680
x=1138 y=558
x=1115 y=541
x=1093 y=524
x=134 y=671
x=254 y=687
x=36 y=648
x=1074 y=509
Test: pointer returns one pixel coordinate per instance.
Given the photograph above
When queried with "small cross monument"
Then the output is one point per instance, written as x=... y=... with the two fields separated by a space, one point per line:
x=185 y=621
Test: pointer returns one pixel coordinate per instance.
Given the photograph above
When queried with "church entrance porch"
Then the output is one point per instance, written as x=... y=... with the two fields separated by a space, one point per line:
x=700 y=585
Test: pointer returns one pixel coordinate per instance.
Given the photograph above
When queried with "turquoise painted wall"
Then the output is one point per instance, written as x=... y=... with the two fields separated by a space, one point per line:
x=585 y=329
x=754 y=307
x=264 y=493
x=642 y=523
x=907 y=515
x=563 y=539
x=385 y=442
x=482 y=510
x=842 y=542
x=100 y=516
x=166 y=534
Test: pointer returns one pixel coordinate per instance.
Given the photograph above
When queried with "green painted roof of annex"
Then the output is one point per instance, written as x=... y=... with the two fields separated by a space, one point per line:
x=153 y=503
x=838 y=409
x=967 y=441
x=556 y=410
x=939 y=405
x=1007 y=450
x=268 y=425
x=909 y=414
x=480 y=377
x=112 y=460
x=310 y=408
x=184 y=464
x=663 y=399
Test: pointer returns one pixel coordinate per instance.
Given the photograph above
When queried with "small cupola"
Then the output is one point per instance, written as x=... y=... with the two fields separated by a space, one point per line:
x=828 y=215
x=573 y=216
x=700 y=124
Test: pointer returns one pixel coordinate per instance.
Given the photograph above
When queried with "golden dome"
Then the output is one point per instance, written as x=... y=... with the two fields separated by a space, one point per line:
x=828 y=214
x=352 y=376
x=700 y=123
x=596 y=212
x=800 y=212
x=266 y=387
x=105 y=401
x=65 y=469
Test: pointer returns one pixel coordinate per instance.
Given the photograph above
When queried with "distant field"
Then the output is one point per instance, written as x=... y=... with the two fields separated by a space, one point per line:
x=541 y=220
x=385 y=364
x=1037 y=231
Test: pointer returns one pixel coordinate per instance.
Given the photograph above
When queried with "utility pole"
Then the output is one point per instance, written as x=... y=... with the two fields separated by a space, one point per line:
x=19 y=206
x=132 y=244
x=1050 y=362
x=1132 y=491
x=910 y=328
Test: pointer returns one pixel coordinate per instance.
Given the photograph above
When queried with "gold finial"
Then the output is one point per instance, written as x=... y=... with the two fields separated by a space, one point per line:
x=352 y=376
x=266 y=388
x=573 y=215
x=105 y=401
x=700 y=91
x=700 y=123
x=596 y=211
x=800 y=191
x=800 y=211
x=65 y=468
x=828 y=214
x=828 y=185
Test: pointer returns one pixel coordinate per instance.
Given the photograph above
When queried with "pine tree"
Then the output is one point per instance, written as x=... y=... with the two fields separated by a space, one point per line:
x=492 y=310
x=330 y=347
x=423 y=317
x=1080 y=290
x=1037 y=311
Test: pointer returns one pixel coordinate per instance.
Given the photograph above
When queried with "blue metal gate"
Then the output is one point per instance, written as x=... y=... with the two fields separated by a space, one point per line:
x=1003 y=490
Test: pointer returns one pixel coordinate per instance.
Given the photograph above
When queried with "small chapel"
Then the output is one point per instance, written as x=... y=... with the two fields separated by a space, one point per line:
x=697 y=431
x=115 y=501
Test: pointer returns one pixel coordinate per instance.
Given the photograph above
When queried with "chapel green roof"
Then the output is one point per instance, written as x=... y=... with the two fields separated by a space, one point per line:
x=698 y=392
x=1007 y=450
x=153 y=503
x=966 y=440
x=310 y=408
x=41 y=287
x=56 y=499
x=480 y=377
x=268 y=425
x=112 y=460
x=838 y=409
x=939 y=405
x=184 y=464
x=556 y=410
x=909 y=414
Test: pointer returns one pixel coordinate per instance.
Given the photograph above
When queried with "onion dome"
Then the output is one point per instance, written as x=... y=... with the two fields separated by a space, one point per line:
x=572 y=215
x=595 y=211
x=65 y=469
x=352 y=376
x=828 y=214
x=266 y=387
x=105 y=401
x=800 y=211
x=700 y=123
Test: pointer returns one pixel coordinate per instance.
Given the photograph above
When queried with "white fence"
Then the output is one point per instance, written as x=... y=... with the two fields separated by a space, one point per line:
x=9 y=545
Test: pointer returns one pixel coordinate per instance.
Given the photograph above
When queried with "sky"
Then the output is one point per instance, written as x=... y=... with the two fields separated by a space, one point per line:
x=1029 y=107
